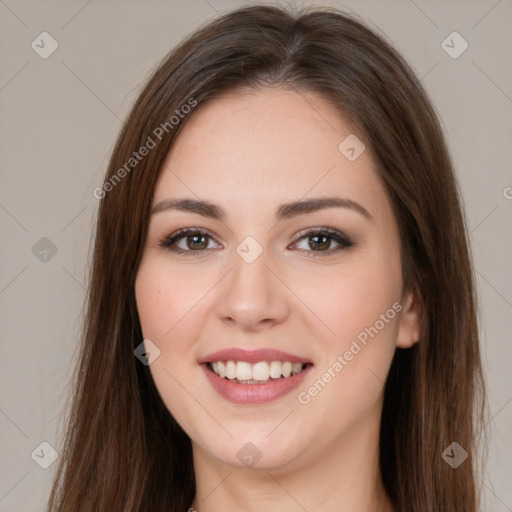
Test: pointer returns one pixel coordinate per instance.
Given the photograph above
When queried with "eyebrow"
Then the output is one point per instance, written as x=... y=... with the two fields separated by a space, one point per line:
x=285 y=211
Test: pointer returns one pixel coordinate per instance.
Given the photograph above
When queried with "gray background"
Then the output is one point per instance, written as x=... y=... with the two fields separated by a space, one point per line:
x=59 y=120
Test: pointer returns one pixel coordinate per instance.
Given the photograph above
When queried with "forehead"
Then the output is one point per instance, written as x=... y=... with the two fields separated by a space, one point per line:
x=257 y=146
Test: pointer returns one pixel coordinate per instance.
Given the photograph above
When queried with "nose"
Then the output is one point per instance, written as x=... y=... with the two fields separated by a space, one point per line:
x=253 y=295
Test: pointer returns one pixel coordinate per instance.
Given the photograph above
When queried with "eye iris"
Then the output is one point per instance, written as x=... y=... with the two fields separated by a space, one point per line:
x=324 y=244
x=193 y=246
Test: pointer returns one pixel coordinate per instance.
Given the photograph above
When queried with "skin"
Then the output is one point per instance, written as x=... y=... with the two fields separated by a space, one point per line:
x=249 y=152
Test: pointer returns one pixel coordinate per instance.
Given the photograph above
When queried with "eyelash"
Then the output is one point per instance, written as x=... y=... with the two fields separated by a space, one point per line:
x=344 y=241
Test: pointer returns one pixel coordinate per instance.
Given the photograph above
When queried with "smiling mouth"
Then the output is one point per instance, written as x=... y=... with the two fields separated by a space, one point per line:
x=262 y=372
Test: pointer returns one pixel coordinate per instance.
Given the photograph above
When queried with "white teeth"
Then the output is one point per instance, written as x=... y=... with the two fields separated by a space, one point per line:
x=261 y=372
x=243 y=371
x=231 y=370
x=275 y=369
x=296 y=368
x=286 y=369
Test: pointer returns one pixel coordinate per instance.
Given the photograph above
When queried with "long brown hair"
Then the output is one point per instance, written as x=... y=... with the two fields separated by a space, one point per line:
x=122 y=450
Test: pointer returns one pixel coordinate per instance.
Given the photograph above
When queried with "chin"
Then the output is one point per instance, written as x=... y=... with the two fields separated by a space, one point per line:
x=255 y=452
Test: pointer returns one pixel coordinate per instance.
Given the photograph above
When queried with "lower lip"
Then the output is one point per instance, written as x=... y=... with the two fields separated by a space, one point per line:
x=254 y=393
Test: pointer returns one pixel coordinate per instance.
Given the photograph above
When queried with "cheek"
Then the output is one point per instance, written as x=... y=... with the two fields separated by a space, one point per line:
x=168 y=310
x=351 y=298
x=164 y=300
x=150 y=306
x=172 y=306
x=361 y=307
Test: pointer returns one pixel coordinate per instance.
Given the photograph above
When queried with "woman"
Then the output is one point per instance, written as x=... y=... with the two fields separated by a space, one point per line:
x=281 y=312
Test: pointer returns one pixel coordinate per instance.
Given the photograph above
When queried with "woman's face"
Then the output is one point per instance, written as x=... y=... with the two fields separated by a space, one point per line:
x=272 y=269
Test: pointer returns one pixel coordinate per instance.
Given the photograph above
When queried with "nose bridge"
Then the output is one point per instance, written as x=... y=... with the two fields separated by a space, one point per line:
x=252 y=293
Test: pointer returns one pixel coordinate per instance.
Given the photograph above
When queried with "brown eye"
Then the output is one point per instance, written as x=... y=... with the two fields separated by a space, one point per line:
x=188 y=241
x=321 y=241
x=195 y=242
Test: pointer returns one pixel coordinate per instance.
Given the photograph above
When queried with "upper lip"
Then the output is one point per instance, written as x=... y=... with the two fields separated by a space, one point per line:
x=251 y=356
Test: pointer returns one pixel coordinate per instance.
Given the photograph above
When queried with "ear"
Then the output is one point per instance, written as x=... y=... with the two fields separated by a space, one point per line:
x=409 y=327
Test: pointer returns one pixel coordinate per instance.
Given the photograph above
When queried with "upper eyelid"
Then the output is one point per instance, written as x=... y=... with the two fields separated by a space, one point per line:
x=301 y=233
